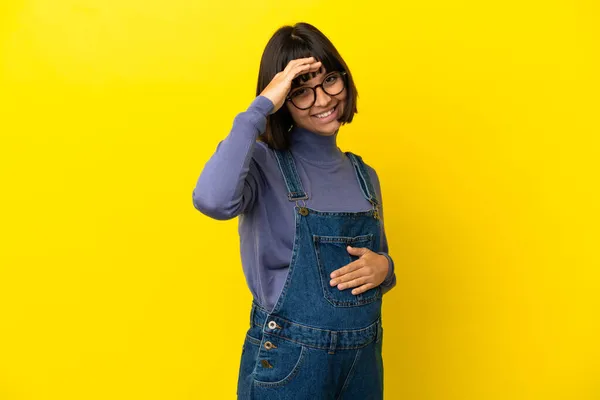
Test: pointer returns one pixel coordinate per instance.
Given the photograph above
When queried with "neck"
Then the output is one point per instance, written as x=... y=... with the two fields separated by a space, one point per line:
x=314 y=147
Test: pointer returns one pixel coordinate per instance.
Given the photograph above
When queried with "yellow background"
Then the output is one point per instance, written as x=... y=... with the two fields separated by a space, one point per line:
x=481 y=119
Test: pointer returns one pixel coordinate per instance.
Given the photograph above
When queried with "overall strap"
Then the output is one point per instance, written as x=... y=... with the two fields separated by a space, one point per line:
x=290 y=175
x=363 y=178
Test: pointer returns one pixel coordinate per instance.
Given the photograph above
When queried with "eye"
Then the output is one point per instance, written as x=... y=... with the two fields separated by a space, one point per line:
x=331 y=78
x=298 y=92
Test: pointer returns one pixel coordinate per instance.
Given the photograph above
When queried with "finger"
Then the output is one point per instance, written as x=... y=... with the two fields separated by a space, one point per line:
x=353 y=283
x=303 y=69
x=309 y=66
x=311 y=62
x=298 y=61
x=363 y=288
x=358 y=251
x=314 y=67
x=354 y=265
x=359 y=273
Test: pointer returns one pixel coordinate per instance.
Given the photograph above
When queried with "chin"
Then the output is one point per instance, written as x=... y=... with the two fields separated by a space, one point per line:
x=328 y=129
x=333 y=129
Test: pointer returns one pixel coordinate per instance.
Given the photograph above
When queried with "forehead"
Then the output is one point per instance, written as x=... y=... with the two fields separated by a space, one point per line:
x=311 y=79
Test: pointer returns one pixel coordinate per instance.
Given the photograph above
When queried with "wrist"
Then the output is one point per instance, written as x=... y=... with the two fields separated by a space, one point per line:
x=262 y=105
x=390 y=264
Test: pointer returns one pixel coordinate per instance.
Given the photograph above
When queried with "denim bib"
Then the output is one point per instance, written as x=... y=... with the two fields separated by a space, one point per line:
x=318 y=342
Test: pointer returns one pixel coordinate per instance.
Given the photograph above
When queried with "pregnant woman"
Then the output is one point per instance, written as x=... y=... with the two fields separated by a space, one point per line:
x=313 y=245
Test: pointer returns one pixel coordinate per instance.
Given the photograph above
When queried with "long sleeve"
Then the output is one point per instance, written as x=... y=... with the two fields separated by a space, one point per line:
x=228 y=184
x=390 y=280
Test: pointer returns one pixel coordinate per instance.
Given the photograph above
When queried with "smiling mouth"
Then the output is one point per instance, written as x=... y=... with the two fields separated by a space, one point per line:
x=326 y=113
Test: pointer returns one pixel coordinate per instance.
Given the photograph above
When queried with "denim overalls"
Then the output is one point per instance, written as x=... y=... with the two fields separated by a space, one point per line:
x=319 y=342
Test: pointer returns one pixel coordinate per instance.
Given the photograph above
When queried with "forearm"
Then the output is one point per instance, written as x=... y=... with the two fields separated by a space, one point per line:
x=220 y=187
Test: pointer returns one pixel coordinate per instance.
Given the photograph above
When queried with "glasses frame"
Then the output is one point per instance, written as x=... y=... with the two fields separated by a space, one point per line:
x=314 y=89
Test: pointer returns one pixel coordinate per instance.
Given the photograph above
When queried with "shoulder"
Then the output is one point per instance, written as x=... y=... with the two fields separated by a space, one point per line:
x=370 y=170
x=263 y=154
x=264 y=161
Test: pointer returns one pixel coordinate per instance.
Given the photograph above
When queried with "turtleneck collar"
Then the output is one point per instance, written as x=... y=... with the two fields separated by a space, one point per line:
x=315 y=148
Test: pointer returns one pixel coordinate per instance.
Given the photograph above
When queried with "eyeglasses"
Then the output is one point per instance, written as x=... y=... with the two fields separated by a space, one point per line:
x=303 y=98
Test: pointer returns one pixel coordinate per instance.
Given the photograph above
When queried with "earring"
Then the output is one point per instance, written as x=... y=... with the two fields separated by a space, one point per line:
x=291 y=127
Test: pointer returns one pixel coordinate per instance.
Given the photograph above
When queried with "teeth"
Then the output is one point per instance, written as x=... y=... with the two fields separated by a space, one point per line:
x=325 y=114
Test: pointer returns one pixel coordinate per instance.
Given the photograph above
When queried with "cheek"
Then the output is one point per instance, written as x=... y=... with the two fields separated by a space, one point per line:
x=342 y=104
x=341 y=98
x=298 y=115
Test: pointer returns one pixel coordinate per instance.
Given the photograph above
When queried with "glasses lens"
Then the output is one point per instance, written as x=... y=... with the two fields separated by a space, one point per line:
x=302 y=97
x=333 y=83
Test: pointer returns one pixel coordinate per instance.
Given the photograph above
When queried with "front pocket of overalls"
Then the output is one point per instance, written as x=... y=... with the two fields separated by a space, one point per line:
x=332 y=255
x=278 y=362
x=247 y=362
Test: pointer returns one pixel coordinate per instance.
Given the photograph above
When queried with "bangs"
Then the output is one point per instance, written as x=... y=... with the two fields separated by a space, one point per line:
x=297 y=47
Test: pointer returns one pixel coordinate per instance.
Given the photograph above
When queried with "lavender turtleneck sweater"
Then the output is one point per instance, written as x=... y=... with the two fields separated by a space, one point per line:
x=242 y=179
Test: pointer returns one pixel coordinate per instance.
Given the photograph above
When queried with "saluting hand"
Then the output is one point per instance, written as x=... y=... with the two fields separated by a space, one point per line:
x=369 y=271
x=281 y=84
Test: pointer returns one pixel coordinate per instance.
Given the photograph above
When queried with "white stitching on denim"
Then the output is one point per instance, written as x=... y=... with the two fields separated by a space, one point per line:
x=344 y=239
x=288 y=159
x=319 y=329
x=357 y=170
x=295 y=174
x=314 y=346
x=292 y=265
x=285 y=180
x=361 y=170
x=289 y=376
x=253 y=340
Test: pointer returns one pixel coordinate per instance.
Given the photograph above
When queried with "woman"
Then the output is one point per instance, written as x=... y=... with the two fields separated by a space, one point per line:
x=313 y=246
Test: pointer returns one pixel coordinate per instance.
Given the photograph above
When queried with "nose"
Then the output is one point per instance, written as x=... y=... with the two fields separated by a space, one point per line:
x=322 y=98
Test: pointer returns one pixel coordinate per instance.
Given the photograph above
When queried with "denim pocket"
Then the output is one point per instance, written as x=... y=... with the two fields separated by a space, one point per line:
x=248 y=359
x=278 y=362
x=331 y=255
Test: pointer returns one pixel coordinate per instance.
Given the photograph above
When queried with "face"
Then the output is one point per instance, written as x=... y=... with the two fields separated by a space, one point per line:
x=322 y=117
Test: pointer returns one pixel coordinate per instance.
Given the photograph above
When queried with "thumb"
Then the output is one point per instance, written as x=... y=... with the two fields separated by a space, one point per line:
x=357 y=251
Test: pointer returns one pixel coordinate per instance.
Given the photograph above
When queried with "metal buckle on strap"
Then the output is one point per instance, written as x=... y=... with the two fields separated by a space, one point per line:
x=292 y=196
x=375 y=209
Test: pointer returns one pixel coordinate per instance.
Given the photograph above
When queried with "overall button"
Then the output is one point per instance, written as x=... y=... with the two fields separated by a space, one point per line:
x=303 y=211
x=272 y=324
x=269 y=346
